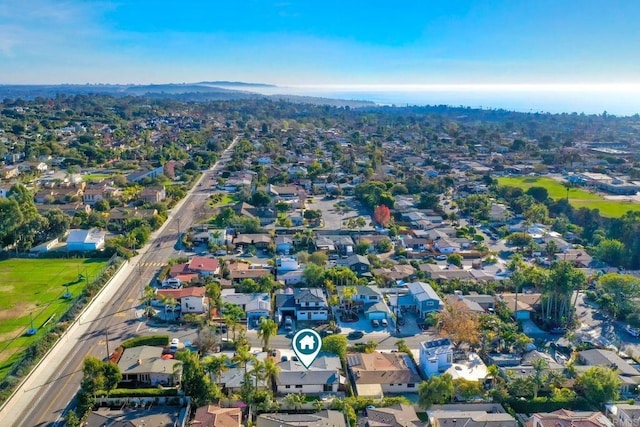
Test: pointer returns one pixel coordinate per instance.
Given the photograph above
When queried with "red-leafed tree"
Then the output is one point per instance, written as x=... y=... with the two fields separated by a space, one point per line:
x=382 y=215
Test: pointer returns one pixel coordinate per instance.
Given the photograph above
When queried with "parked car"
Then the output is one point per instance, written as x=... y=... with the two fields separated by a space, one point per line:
x=355 y=335
x=384 y=322
x=401 y=321
x=284 y=358
x=375 y=323
x=632 y=331
x=441 y=257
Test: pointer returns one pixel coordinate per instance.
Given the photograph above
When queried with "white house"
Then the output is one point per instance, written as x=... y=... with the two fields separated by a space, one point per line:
x=435 y=356
x=302 y=304
x=446 y=246
x=285 y=264
x=144 y=365
x=85 y=240
x=322 y=376
x=291 y=278
x=192 y=300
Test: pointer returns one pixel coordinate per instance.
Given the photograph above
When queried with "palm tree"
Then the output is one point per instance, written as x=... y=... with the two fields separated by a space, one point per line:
x=148 y=296
x=243 y=356
x=493 y=372
x=294 y=401
x=170 y=304
x=539 y=366
x=233 y=313
x=347 y=298
x=271 y=371
x=215 y=366
x=257 y=370
x=267 y=329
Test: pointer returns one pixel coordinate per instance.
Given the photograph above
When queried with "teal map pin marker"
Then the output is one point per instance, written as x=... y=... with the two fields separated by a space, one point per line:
x=306 y=345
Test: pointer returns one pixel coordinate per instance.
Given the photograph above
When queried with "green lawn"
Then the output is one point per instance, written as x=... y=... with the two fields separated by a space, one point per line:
x=224 y=200
x=95 y=177
x=36 y=287
x=577 y=197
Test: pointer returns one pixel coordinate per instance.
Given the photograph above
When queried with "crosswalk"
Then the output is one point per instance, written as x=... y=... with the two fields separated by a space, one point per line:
x=151 y=264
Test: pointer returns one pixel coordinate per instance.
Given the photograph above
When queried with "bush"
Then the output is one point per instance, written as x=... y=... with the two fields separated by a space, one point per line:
x=140 y=392
x=156 y=340
x=543 y=404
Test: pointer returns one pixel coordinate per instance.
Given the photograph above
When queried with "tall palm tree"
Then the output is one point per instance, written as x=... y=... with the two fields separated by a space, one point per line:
x=170 y=304
x=267 y=329
x=243 y=356
x=539 y=366
x=257 y=370
x=215 y=366
x=271 y=371
x=214 y=293
x=494 y=373
x=148 y=295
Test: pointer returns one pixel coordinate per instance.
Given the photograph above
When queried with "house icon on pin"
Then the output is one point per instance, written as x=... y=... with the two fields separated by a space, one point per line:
x=307 y=343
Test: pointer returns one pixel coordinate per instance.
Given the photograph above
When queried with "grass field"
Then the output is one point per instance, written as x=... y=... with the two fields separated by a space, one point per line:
x=577 y=197
x=221 y=199
x=36 y=287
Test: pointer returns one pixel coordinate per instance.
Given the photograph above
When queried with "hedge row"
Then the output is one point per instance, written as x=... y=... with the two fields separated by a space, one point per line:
x=139 y=392
x=543 y=404
x=154 y=340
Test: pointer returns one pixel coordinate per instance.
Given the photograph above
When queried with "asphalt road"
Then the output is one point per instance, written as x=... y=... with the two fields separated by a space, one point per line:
x=119 y=320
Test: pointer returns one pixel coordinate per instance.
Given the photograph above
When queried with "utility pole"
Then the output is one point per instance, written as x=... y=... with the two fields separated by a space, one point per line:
x=106 y=333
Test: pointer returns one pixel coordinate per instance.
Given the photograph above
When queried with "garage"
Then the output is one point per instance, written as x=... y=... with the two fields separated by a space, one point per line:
x=377 y=311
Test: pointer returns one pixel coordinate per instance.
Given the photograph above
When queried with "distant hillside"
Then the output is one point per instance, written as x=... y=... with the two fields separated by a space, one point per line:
x=203 y=91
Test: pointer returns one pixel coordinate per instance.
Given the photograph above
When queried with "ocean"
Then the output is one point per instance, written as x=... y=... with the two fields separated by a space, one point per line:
x=615 y=99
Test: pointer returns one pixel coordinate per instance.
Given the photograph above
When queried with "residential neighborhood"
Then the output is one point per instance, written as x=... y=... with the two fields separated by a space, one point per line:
x=452 y=268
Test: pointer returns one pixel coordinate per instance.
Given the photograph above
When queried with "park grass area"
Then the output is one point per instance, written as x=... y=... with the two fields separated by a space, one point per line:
x=221 y=199
x=96 y=177
x=578 y=197
x=36 y=287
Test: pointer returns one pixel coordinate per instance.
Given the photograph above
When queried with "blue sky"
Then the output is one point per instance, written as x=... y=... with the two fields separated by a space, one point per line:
x=320 y=42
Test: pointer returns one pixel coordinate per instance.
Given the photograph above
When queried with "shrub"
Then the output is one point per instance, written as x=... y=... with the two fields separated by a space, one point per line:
x=157 y=340
x=140 y=392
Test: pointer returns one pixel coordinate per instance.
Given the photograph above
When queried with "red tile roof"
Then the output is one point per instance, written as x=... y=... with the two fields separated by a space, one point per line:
x=195 y=291
x=199 y=263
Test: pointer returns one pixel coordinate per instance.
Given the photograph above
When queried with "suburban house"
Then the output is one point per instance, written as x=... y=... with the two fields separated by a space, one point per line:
x=435 y=356
x=392 y=416
x=255 y=305
x=340 y=244
x=629 y=376
x=423 y=298
x=260 y=241
x=85 y=240
x=462 y=303
x=238 y=275
x=367 y=299
x=204 y=266
x=378 y=373
x=191 y=300
x=284 y=244
x=470 y=418
x=318 y=419
x=215 y=416
x=287 y=263
x=144 y=365
x=446 y=246
x=153 y=194
x=322 y=376
x=567 y=418
x=624 y=414
x=232 y=379
x=302 y=304
x=291 y=278
x=356 y=263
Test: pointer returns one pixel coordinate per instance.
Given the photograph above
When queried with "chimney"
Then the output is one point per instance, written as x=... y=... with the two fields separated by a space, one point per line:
x=139 y=362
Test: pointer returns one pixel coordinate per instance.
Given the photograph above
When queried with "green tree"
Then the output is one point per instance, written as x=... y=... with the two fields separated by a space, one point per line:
x=294 y=401
x=232 y=315
x=216 y=365
x=540 y=194
x=266 y=329
x=195 y=381
x=435 y=390
x=467 y=390
x=599 y=385
x=455 y=259
x=71 y=419
x=313 y=275
x=148 y=295
x=112 y=376
x=618 y=293
x=319 y=258
x=336 y=344
x=611 y=251
x=93 y=379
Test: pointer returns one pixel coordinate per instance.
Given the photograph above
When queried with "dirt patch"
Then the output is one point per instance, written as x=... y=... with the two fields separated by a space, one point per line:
x=16 y=312
x=7 y=288
x=10 y=335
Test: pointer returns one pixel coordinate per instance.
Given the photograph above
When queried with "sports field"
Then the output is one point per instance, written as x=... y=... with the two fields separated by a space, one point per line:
x=36 y=287
x=577 y=197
